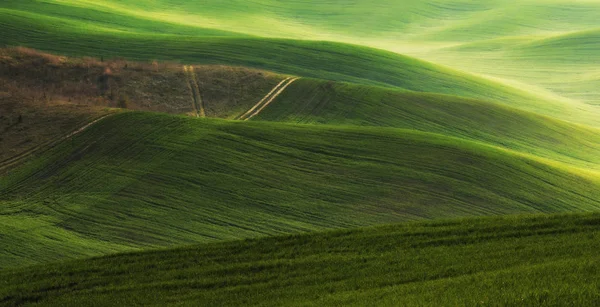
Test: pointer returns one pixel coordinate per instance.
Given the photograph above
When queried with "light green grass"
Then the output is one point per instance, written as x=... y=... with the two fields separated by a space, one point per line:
x=531 y=261
x=358 y=21
x=562 y=64
x=138 y=180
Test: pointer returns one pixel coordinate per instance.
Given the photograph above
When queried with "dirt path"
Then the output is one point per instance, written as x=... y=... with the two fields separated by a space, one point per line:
x=263 y=103
x=14 y=160
x=192 y=82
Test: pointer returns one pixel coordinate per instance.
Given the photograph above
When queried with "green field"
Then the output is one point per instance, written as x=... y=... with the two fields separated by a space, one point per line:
x=168 y=180
x=426 y=152
x=532 y=261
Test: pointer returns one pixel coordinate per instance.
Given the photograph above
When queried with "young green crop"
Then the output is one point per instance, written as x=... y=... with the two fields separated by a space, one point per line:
x=539 y=261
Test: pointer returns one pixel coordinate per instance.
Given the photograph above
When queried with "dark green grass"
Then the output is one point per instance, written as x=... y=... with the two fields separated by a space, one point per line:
x=524 y=261
x=316 y=101
x=324 y=60
x=136 y=180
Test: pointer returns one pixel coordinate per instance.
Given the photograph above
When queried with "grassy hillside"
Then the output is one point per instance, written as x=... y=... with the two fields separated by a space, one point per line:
x=540 y=260
x=137 y=180
x=324 y=60
x=493 y=112
x=310 y=101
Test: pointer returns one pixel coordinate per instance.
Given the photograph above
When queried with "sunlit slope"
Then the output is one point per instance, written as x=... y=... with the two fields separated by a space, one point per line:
x=137 y=180
x=323 y=60
x=540 y=260
x=91 y=19
x=575 y=48
x=379 y=25
x=316 y=101
x=561 y=64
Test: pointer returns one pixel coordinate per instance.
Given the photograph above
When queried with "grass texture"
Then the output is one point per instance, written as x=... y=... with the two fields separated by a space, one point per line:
x=537 y=261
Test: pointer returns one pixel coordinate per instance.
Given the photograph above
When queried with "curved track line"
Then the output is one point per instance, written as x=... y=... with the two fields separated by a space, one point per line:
x=272 y=98
x=46 y=146
x=243 y=116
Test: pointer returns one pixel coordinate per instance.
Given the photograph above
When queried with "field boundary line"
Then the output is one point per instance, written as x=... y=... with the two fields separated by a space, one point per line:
x=12 y=161
x=272 y=98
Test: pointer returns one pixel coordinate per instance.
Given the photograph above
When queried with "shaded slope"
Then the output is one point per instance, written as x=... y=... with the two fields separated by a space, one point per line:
x=542 y=260
x=317 y=101
x=332 y=61
x=137 y=180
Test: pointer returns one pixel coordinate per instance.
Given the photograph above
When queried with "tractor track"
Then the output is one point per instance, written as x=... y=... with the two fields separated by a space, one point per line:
x=192 y=83
x=270 y=97
x=14 y=160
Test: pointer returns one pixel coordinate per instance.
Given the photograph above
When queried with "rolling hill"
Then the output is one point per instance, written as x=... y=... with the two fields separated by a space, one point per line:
x=138 y=180
x=310 y=101
x=295 y=152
